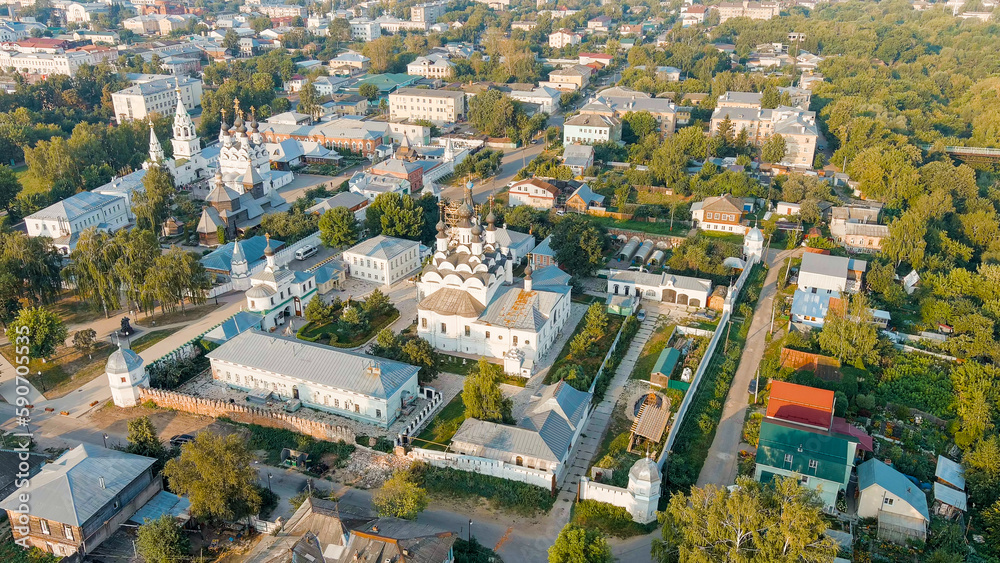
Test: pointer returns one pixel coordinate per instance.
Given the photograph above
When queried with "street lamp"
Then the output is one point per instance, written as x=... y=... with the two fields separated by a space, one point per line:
x=105 y=441
x=269 y=482
x=470 y=529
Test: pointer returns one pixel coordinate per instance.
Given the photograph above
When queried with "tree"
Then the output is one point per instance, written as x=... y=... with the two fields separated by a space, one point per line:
x=638 y=125
x=352 y=316
x=162 y=541
x=396 y=215
x=400 y=497
x=770 y=98
x=580 y=545
x=338 y=227
x=216 y=473
x=976 y=399
x=9 y=187
x=494 y=113
x=848 y=332
x=83 y=341
x=142 y=438
x=482 y=395
x=774 y=149
x=317 y=311
x=39 y=329
x=779 y=522
x=906 y=242
x=579 y=244
x=368 y=90
x=377 y=303
x=309 y=100
x=231 y=42
x=260 y=24
x=152 y=203
x=419 y=352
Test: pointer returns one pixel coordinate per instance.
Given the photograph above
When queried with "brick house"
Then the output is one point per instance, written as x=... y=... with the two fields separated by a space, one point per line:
x=403 y=170
x=721 y=213
x=80 y=499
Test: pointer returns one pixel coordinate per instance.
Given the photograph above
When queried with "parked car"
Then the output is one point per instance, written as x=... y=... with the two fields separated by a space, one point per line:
x=306 y=252
x=641 y=315
x=181 y=439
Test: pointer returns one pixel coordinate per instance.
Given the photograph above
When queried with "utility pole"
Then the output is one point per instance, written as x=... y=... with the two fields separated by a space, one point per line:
x=756 y=387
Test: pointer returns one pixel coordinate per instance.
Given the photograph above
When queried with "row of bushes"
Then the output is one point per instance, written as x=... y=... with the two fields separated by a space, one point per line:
x=690 y=448
x=501 y=493
x=273 y=440
x=628 y=330
x=611 y=520
x=171 y=374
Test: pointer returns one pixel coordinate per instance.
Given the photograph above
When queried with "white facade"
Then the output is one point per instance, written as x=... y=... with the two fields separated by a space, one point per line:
x=468 y=300
x=349 y=384
x=563 y=38
x=533 y=192
x=45 y=64
x=160 y=96
x=547 y=98
x=431 y=66
x=278 y=293
x=590 y=129
x=126 y=374
x=365 y=30
x=382 y=259
x=665 y=288
x=64 y=221
x=437 y=106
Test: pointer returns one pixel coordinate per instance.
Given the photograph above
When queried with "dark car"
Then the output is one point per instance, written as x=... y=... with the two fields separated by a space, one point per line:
x=181 y=439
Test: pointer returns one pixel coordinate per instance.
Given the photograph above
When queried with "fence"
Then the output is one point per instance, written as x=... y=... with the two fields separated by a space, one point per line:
x=485 y=466
x=245 y=414
x=414 y=427
x=703 y=365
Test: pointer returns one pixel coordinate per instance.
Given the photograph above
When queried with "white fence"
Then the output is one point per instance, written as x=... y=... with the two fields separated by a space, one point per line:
x=703 y=365
x=414 y=427
x=484 y=466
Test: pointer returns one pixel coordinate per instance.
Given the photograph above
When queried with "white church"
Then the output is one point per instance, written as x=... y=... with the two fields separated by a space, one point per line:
x=126 y=374
x=276 y=292
x=469 y=301
x=190 y=163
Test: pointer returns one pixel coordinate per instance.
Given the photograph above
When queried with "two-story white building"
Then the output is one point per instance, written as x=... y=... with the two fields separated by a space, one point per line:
x=533 y=192
x=349 y=384
x=64 y=221
x=563 y=38
x=382 y=259
x=437 y=106
x=591 y=128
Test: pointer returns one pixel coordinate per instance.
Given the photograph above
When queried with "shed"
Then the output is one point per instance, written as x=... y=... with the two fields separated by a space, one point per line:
x=657 y=258
x=717 y=300
x=664 y=366
x=643 y=253
x=629 y=249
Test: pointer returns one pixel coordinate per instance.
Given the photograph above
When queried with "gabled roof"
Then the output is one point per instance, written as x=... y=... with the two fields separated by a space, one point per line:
x=725 y=203
x=947 y=495
x=451 y=301
x=874 y=472
x=538 y=183
x=382 y=247
x=399 y=541
x=72 y=489
x=316 y=363
x=800 y=404
x=74 y=206
x=831 y=452
x=588 y=195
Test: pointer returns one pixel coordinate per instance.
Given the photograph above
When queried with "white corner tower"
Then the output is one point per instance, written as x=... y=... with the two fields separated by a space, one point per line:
x=239 y=268
x=753 y=245
x=126 y=374
x=186 y=143
x=644 y=486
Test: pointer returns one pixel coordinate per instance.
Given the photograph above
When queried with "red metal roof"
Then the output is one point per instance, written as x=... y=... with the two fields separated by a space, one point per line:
x=801 y=404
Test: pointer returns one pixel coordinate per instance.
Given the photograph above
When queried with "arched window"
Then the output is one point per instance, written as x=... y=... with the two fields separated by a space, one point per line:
x=519 y=461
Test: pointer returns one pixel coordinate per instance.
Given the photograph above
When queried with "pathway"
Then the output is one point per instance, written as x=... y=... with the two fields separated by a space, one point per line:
x=593 y=433
x=721 y=464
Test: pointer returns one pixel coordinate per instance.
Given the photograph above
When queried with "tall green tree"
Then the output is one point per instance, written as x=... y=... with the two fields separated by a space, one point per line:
x=580 y=545
x=400 y=497
x=338 y=227
x=774 y=149
x=579 y=244
x=780 y=522
x=44 y=331
x=9 y=187
x=162 y=541
x=216 y=474
x=849 y=333
x=395 y=215
x=152 y=203
x=482 y=395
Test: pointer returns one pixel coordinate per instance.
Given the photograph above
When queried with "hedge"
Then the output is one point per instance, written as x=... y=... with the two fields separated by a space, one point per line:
x=611 y=520
x=501 y=493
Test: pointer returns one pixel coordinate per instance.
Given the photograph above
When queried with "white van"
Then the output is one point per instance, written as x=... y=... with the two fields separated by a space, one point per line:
x=305 y=252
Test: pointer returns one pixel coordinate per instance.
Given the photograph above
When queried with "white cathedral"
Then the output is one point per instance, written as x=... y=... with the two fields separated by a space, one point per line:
x=276 y=292
x=469 y=301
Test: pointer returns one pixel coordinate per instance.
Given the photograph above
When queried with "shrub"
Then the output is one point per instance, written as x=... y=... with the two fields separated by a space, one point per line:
x=501 y=493
x=273 y=440
x=609 y=519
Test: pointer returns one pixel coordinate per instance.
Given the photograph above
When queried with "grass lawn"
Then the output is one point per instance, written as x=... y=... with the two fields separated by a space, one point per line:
x=659 y=228
x=345 y=336
x=67 y=370
x=440 y=430
x=188 y=314
x=454 y=364
x=73 y=310
x=587 y=299
x=589 y=364
x=727 y=237
x=655 y=345
x=150 y=338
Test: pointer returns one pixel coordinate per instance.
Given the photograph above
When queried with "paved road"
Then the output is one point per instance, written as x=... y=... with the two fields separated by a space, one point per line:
x=513 y=161
x=721 y=465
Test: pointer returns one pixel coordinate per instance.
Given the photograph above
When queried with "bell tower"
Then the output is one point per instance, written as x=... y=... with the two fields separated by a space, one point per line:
x=185 y=142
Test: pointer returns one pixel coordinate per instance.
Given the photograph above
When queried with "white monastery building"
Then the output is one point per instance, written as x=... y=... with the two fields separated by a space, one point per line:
x=383 y=259
x=469 y=301
x=276 y=292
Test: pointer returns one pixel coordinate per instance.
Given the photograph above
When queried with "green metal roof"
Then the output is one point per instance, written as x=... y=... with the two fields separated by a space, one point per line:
x=667 y=360
x=832 y=452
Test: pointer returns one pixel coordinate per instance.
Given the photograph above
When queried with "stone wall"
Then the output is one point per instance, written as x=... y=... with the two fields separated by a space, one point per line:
x=246 y=414
x=485 y=466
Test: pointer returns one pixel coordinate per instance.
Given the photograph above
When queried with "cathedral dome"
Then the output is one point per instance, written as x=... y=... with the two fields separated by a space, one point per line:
x=123 y=360
x=259 y=291
x=491 y=218
x=476 y=230
x=464 y=211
